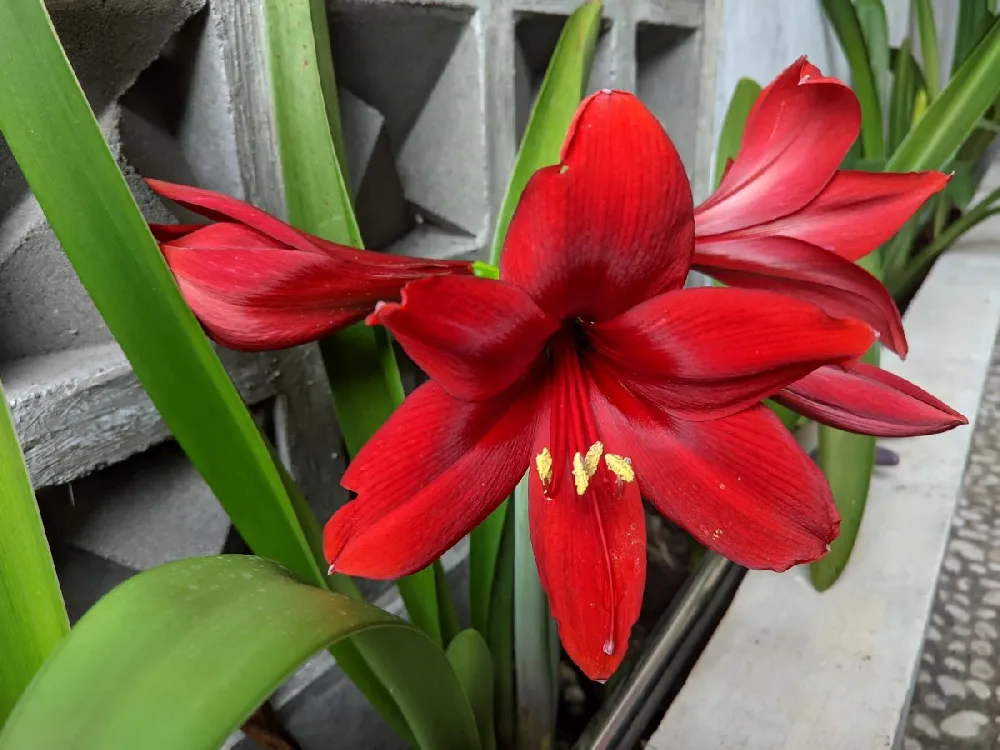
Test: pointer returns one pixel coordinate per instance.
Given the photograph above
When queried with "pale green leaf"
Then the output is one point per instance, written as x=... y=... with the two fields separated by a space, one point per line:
x=179 y=657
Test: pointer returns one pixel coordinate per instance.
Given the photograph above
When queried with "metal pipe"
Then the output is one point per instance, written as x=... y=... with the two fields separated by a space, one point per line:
x=622 y=719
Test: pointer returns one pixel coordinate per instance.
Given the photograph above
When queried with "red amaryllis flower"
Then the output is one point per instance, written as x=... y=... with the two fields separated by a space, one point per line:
x=786 y=219
x=258 y=283
x=588 y=363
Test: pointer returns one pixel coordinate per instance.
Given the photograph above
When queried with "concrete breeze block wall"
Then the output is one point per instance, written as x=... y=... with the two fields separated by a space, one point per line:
x=434 y=97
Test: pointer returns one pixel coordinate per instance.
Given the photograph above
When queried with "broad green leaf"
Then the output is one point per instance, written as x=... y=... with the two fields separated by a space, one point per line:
x=744 y=95
x=953 y=115
x=360 y=363
x=470 y=658
x=179 y=657
x=557 y=102
x=535 y=688
x=928 y=46
x=875 y=29
x=32 y=616
x=906 y=82
x=845 y=23
x=847 y=461
x=59 y=147
x=974 y=19
x=558 y=98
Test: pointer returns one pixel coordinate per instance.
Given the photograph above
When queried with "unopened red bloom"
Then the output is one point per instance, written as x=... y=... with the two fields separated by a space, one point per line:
x=257 y=283
x=590 y=366
x=786 y=219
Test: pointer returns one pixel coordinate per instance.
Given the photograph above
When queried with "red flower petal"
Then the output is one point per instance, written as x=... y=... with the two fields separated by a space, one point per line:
x=221 y=207
x=740 y=485
x=615 y=216
x=796 y=268
x=587 y=526
x=705 y=353
x=251 y=294
x=475 y=337
x=857 y=211
x=868 y=400
x=796 y=136
x=430 y=475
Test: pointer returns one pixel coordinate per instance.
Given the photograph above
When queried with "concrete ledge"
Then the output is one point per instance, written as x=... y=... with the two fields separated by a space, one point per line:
x=82 y=409
x=791 y=668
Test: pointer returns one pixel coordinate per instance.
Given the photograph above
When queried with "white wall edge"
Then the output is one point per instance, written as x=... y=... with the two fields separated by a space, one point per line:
x=789 y=668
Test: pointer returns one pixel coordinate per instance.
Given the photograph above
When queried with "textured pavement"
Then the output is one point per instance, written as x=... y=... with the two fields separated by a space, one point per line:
x=956 y=703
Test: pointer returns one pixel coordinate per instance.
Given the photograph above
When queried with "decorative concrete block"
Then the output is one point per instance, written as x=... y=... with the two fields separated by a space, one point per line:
x=108 y=42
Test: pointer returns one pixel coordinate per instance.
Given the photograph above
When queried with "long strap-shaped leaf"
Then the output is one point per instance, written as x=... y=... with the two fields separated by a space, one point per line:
x=974 y=18
x=845 y=23
x=180 y=655
x=558 y=99
x=56 y=140
x=927 y=31
x=32 y=616
x=953 y=115
x=360 y=363
x=526 y=718
x=875 y=30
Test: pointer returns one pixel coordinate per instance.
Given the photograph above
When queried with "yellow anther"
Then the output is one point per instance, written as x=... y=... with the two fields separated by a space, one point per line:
x=593 y=458
x=584 y=467
x=621 y=466
x=543 y=463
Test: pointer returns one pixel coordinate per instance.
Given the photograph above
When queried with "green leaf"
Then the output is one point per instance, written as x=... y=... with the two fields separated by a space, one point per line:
x=32 y=616
x=535 y=688
x=953 y=115
x=847 y=461
x=500 y=637
x=360 y=362
x=974 y=18
x=928 y=46
x=558 y=98
x=484 y=547
x=875 y=29
x=960 y=188
x=59 y=147
x=179 y=657
x=470 y=658
x=845 y=23
x=904 y=92
x=744 y=95
x=557 y=102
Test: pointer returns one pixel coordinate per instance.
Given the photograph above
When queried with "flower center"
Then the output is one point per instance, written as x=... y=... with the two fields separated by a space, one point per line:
x=599 y=479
